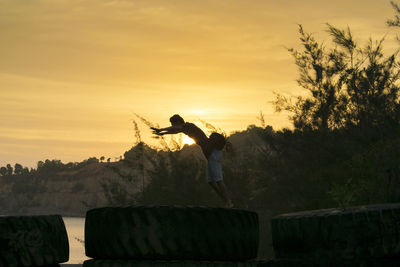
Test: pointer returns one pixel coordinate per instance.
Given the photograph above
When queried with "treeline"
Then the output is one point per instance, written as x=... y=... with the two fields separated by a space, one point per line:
x=48 y=166
x=18 y=169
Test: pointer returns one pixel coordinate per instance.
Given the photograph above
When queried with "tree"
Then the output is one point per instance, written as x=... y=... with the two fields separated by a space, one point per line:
x=40 y=165
x=102 y=158
x=18 y=169
x=344 y=145
x=25 y=171
x=92 y=160
x=9 y=169
x=3 y=171
x=347 y=85
x=50 y=166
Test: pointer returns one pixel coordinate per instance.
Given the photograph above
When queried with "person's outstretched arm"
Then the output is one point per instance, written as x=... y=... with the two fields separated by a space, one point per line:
x=167 y=130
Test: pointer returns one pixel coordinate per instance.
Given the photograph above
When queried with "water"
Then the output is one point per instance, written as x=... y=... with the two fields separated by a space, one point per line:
x=75 y=229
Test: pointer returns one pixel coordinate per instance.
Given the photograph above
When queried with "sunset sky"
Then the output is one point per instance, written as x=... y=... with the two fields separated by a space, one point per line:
x=74 y=72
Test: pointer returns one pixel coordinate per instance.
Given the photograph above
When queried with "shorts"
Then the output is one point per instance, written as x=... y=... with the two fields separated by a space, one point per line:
x=214 y=166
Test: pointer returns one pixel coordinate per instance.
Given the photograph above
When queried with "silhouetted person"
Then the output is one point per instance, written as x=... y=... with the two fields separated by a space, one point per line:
x=211 y=148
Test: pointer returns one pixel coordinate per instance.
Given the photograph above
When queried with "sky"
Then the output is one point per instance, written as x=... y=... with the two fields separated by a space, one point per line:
x=73 y=73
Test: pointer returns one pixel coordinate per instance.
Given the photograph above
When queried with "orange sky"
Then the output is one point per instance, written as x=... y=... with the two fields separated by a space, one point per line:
x=74 y=72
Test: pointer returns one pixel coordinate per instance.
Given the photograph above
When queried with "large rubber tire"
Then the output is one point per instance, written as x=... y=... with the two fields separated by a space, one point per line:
x=33 y=240
x=171 y=233
x=326 y=236
x=175 y=263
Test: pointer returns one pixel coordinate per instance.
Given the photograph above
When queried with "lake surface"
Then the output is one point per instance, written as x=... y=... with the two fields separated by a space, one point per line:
x=75 y=229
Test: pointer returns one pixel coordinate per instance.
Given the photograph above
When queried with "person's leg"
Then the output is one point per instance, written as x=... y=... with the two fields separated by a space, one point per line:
x=216 y=189
x=224 y=193
x=214 y=177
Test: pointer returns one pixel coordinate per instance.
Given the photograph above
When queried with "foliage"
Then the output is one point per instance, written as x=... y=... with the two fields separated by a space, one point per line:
x=347 y=85
x=237 y=173
x=9 y=170
x=3 y=171
x=116 y=194
x=341 y=150
x=318 y=169
x=396 y=21
x=18 y=169
x=46 y=167
x=177 y=179
x=343 y=195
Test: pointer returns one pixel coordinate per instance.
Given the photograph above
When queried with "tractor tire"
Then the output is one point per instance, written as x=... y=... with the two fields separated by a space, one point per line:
x=171 y=233
x=33 y=240
x=333 y=235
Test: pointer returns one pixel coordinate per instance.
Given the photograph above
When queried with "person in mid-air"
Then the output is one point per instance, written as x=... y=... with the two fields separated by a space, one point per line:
x=211 y=147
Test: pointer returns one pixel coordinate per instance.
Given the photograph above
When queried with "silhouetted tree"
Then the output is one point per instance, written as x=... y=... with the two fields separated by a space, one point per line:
x=347 y=85
x=70 y=165
x=39 y=165
x=50 y=166
x=25 y=171
x=18 y=169
x=9 y=169
x=3 y=171
x=92 y=160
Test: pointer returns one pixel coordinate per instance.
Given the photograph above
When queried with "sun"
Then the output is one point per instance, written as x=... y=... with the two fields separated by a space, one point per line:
x=186 y=140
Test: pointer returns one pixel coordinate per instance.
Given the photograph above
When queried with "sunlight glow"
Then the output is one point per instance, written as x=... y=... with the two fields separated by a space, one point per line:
x=187 y=140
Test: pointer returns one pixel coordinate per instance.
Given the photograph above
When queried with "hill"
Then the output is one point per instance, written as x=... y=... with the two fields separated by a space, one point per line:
x=72 y=191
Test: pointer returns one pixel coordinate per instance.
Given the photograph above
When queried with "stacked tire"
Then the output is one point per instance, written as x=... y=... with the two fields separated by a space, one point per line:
x=357 y=236
x=170 y=236
x=33 y=241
